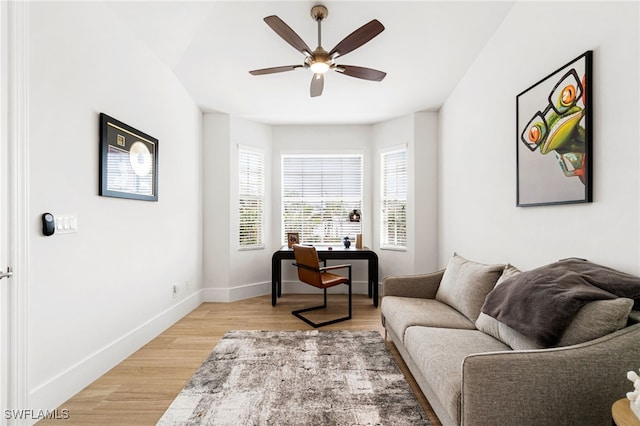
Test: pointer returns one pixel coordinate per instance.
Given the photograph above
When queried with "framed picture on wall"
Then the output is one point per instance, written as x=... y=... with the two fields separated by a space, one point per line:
x=128 y=161
x=554 y=137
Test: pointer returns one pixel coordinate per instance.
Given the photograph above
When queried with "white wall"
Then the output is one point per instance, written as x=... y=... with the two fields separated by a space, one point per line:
x=230 y=273
x=478 y=216
x=419 y=133
x=99 y=294
x=216 y=189
x=250 y=268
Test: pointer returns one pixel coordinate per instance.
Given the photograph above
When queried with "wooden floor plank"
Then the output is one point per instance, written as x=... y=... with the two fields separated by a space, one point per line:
x=137 y=391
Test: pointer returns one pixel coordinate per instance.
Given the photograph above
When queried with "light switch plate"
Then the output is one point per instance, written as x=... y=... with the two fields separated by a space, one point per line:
x=66 y=223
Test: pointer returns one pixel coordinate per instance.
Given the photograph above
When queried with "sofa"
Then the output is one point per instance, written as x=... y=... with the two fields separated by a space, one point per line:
x=479 y=367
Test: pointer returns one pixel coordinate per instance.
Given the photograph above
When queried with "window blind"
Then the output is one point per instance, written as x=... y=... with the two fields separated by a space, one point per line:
x=250 y=198
x=318 y=193
x=394 y=199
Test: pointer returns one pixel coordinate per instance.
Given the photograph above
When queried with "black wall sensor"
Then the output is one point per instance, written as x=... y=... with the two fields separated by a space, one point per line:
x=48 y=224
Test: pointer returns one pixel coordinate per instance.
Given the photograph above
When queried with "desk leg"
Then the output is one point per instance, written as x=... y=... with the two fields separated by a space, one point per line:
x=275 y=280
x=373 y=274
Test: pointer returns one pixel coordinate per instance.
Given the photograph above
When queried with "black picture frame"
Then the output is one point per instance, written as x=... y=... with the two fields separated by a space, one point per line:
x=554 y=137
x=128 y=161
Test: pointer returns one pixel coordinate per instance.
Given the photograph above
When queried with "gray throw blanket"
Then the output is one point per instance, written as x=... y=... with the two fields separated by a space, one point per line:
x=541 y=303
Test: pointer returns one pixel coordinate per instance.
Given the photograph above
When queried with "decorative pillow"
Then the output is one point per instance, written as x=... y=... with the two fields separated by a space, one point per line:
x=597 y=319
x=465 y=284
x=508 y=272
x=593 y=320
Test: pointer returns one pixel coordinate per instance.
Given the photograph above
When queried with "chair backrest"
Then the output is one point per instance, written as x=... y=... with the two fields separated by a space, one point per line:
x=307 y=256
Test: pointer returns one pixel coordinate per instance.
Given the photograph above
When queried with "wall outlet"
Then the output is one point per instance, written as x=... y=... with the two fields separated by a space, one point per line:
x=175 y=290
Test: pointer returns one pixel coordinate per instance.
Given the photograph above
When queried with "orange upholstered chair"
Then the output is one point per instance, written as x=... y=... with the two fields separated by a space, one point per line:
x=310 y=272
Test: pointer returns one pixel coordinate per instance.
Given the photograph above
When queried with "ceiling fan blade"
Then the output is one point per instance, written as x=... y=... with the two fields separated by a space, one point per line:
x=361 y=72
x=317 y=84
x=287 y=34
x=357 y=38
x=275 y=69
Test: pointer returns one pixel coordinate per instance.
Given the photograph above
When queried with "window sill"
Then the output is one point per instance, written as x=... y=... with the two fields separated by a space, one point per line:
x=251 y=248
x=393 y=248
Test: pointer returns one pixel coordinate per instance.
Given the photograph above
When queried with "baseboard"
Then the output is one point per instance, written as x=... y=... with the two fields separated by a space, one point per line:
x=232 y=294
x=56 y=391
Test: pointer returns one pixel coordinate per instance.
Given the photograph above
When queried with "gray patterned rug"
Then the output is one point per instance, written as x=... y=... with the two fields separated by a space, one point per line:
x=297 y=378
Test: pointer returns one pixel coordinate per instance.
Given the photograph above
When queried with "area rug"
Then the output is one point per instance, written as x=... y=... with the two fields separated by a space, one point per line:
x=297 y=378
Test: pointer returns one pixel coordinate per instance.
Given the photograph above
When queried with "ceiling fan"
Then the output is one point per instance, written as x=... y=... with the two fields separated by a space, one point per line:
x=319 y=60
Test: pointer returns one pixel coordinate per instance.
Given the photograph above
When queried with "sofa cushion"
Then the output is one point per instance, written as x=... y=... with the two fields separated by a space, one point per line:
x=403 y=312
x=465 y=284
x=595 y=319
x=504 y=333
x=439 y=354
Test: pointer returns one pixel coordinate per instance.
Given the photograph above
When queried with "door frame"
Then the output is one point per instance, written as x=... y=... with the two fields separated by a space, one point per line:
x=14 y=122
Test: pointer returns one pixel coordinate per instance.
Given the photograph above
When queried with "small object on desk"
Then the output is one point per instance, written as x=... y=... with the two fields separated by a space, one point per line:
x=346 y=242
x=359 y=241
x=634 y=396
x=329 y=248
x=292 y=238
x=622 y=414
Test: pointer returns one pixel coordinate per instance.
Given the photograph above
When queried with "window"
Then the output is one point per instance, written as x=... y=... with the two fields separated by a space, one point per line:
x=394 y=199
x=250 y=197
x=318 y=193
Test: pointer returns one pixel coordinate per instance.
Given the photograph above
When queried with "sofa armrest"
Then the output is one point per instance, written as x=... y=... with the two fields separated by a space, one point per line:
x=423 y=286
x=561 y=386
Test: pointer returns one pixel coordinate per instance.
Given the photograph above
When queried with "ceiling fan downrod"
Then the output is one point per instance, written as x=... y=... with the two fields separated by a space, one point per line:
x=319 y=13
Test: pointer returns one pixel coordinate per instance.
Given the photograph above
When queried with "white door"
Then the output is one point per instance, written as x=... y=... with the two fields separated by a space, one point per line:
x=4 y=299
x=5 y=332
x=14 y=48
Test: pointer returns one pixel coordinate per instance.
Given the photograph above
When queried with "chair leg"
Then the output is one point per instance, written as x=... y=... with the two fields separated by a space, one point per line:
x=322 y=324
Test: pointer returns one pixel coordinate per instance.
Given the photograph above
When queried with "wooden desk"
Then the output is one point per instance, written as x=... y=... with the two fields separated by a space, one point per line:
x=622 y=414
x=325 y=254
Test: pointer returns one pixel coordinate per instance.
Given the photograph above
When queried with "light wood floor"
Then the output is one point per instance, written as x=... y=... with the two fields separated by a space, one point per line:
x=139 y=390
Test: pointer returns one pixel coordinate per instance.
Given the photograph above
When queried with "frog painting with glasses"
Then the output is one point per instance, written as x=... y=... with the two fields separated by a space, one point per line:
x=558 y=127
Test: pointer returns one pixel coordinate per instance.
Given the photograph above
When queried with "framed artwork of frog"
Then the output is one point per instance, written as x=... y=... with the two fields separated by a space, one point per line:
x=554 y=137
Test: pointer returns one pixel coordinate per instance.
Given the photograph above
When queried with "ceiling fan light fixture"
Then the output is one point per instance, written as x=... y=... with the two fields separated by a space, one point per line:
x=319 y=60
x=319 y=67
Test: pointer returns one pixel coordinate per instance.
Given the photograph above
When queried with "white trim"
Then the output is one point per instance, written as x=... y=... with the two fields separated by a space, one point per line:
x=4 y=205
x=51 y=394
x=232 y=294
x=18 y=195
x=394 y=148
x=393 y=248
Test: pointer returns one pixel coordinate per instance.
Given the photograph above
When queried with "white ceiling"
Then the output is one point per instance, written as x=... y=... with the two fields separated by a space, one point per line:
x=426 y=48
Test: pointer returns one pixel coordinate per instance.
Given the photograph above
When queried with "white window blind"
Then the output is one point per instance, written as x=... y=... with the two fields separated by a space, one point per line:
x=250 y=198
x=394 y=199
x=318 y=193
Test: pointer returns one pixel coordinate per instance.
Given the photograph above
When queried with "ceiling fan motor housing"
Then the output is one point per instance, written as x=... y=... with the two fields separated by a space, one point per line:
x=319 y=12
